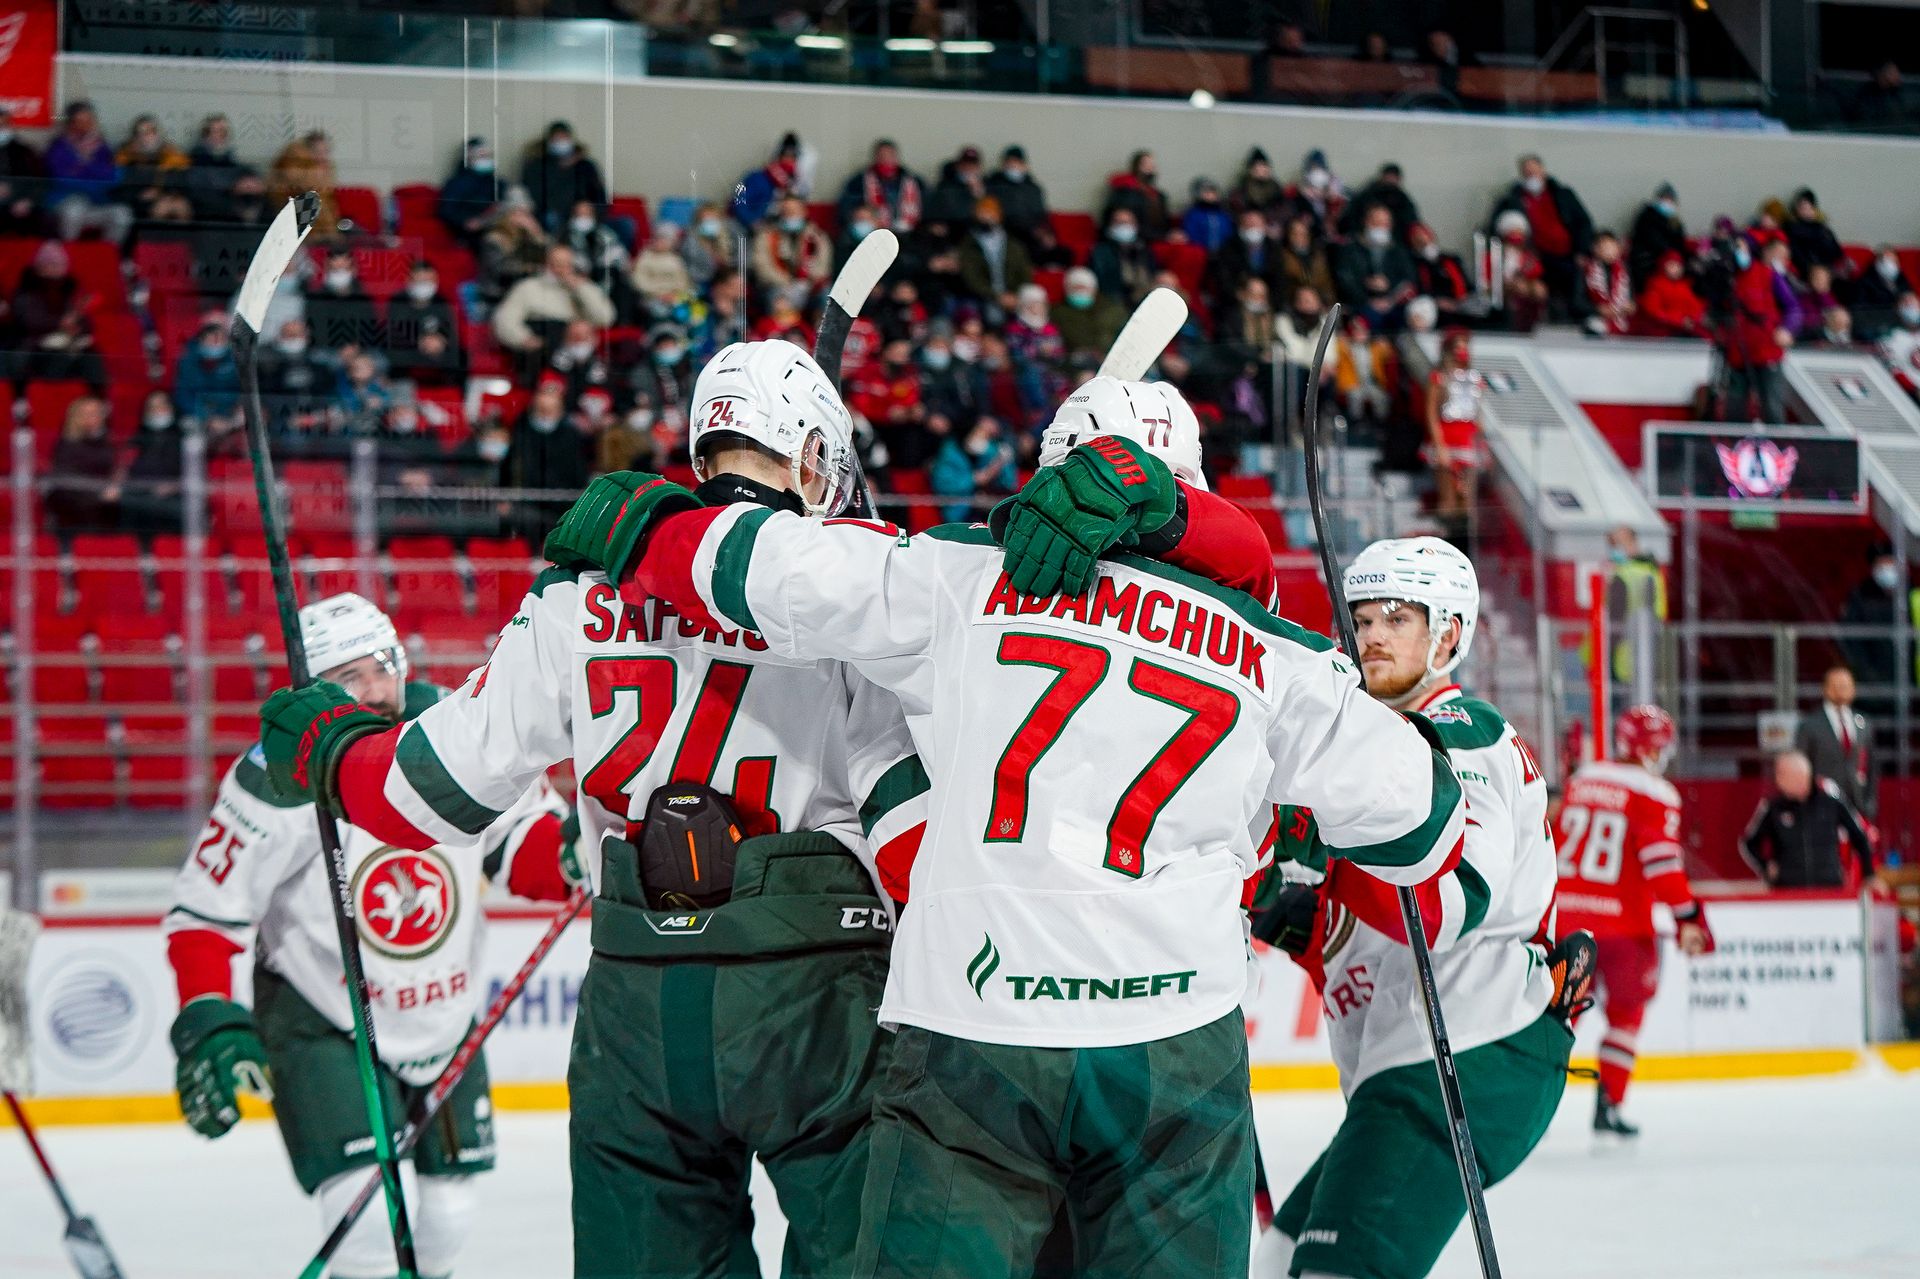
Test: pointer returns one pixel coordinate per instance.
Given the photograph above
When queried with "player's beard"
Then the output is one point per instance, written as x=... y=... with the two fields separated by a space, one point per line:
x=1393 y=684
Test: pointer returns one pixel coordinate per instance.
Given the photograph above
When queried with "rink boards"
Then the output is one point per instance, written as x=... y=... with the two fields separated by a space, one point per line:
x=1801 y=983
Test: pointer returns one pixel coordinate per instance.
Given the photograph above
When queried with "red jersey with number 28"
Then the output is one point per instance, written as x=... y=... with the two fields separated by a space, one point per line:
x=1619 y=839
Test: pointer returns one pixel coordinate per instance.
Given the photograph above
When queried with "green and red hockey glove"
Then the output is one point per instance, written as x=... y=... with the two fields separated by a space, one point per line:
x=605 y=524
x=218 y=1057
x=303 y=732
x=1107 y=492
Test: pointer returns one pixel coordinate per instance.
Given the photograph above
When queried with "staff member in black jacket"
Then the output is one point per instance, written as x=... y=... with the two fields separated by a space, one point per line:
x=1793 y=840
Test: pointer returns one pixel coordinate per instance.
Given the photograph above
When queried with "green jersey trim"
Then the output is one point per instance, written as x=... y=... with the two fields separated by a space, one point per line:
x=730 y=564
x=1417 y=844
x=552 y=576
x=1466 y=723
x=1478 y=896
x=420 y=764
x=420 y=695
x=964 y=534
x=210 y=919
x=905 y=781
x=251 y=777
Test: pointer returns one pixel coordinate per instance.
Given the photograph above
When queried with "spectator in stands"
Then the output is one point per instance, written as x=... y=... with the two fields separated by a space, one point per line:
x=1423 y=315
x=559 y=174
x=548 y=457
x=892 y=191
x=1558 y=225
x=627 y=442
x=1373 y=48
x=246 y=204
x=212 y=169
x=83 y=467
x=1437 y=274
x=1793 y=840
x=362 y=395
x=1207 y=222
x=950 y=388
x=513 y=249
x=758 y=190
x=962 y=185
x=1248 y=325
x=581 y=359
x=862 y=223
x=660 y=275
x=297 y=383
x=1365 y=372
x=1454 y=448
x=1046 y=250
x=340 y=314
x=1122 y=262
x=708 y=246
x=1039 y=356
x=1838 y=740
x=726 y=318
x=1756 y=342
x=44 y=329
x=1836 y=329
x=1258 y=189
x=1523 y=282
x=791 y=256
x=1137 y=190
x=900 y=314
x=147 y=485
x=1881 y=101
x=423 y=331
x=1668 y=307
x=1298 y=330
x=1023 y=202
x=1319 y=193
x=82 y=179
x=152 y=171
x=306 y=164
x=1877 y=292
x=1444 y=55
x=1816 y=299
x=1774 y=251
x=975 y=466
x=1388 y=190
x=601 y=256
x=23 y=180
x=531 y=318
x=1608 y=292
x=1302 y=260
x=664 y=381
x=887 y=393
x=1900 y=346
x=1375 y=273
x=994 y=266
x=468 y=195
x=1657 y=231
x=784 y=320
x=1253 y=253
x=1811 y=240
x=1088 y=319
x=1871 y=610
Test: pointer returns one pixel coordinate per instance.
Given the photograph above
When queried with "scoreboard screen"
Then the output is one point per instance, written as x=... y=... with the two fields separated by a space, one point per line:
x=1734 y=466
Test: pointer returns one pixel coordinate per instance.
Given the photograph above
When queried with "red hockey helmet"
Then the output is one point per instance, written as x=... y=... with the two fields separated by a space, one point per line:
x=1644 y=734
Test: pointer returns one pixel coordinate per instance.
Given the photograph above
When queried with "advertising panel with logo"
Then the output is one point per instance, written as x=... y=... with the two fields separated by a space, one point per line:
x=1738 y=467
x=29 y=35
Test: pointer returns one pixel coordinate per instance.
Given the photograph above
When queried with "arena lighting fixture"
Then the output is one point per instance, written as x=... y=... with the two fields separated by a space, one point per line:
x=820 y=42
x=966 y=46
x=1200 y=98
x=722 y=40
x=910 y=44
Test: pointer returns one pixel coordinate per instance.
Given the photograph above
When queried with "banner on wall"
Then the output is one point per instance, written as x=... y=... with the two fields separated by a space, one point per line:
x=1788 y=974
x=29 y=38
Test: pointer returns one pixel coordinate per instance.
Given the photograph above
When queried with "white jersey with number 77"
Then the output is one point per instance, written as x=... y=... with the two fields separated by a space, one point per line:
x=1096 y=763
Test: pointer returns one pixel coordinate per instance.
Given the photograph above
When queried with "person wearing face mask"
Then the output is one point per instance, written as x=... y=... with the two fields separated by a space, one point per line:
x=212 y=168
x=548 y=458
x=582 y=360
x=787 y=172
x=887 y=394
x=1608 y=293
x=1039 y=355
x=1207 y=222
x=1657 y=231
x=1755 y=343
x=955 y=393
x=296 y=382
x=47 y=326
x=151 y=167
x=149 y=484
x=1137 y=190
x=339 y=311
x=663 y=381
x=708 y=246
x=1558 y=225
x=206 y=381
x=1122 y=262
x=1900 y=347
x=961 y=186
x=1774 y=251
x=892 y=191
x=559 y=174
x=513 y=247
x=1375 y=273
x=602 y=257
x=82 y=179
x=1257 y=188
x=790 y=254
x=975 y=466
x=1318 y=193
x=1365 y=372
x=1812 y=241
x=1877 y=291
x=1088 y=320
x=993 y=265
x=423 y=333
x=1437 y=274
x=468 y=195
x=660 y=276
x=1387 y=189
x=1871 y=610
x=1023 y=201
x=534 y=315
x=626 y=441
x=23 y=181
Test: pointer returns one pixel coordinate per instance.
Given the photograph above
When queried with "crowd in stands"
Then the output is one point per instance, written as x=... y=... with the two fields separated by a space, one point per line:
x=547 y=328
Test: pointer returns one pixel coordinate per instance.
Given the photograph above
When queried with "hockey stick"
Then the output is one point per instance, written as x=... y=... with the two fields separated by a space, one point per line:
x=1153 y=324
x=426 y=1106
x=89 y=1252
x=270 y=261
x=1450 y=1098
x=870 y=259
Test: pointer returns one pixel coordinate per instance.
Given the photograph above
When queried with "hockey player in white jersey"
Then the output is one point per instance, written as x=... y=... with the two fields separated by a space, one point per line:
x=1067 y=975
x=1382 y=1200
x=255 y=881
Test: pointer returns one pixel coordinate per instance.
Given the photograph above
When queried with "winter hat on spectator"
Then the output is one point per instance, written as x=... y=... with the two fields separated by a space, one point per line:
x=1423 y=313
x=1665 y=191
x=1015 y=152
x=969 y=154
x=516 y=197
x=1081 y=277
x=51 y=259
x=1512 y=222
x=1202 y=184
x=1258 y=156
x=550 y=381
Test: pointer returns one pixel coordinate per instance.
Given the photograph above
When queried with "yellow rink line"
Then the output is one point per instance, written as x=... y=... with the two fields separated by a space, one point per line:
x=153 y=1108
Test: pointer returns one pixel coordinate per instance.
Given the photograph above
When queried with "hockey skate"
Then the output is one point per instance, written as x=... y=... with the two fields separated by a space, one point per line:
x=1607 y=1120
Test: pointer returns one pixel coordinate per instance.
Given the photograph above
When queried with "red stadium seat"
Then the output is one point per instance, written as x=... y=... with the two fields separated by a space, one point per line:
x=634 y=207
x=140 y=662
x=502 y=567
x=1054 y=281
x=95 y=265
x=826 y=216
x=1077 y=231
x=455 y=265
x=424 y=575
x=169 y=575
x=156 y=748
x=362 y=204
x=107 y=574
x=166 y=265
x=63 y=671
x=49 y=595
x=15 y=253
x=444 y=409
x=445 y=647
x=329 y=565
x=383 y=271
x=316 y=497
x=237 y=657
x=1254 y=494
x=77 y=768
x=1188 y=262
x=414 y=204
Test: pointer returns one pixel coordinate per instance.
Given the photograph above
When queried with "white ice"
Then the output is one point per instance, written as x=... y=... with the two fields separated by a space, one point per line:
x=1799 y=1179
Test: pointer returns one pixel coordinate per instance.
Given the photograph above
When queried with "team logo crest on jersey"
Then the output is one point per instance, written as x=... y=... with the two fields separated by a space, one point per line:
x=1449 y=713
x=1757 y=467
x=405 y=902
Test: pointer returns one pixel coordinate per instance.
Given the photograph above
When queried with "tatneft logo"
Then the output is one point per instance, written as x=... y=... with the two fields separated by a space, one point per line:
x=1027 y=988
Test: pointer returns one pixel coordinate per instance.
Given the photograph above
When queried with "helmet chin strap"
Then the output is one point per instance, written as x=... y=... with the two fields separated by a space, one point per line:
x=1432 y=674
x=814 y=510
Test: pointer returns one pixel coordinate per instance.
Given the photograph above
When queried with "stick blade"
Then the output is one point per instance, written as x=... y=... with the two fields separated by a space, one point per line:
x=89 y=1252
x=1152 y=325
x=270 y=261
x=870 y=259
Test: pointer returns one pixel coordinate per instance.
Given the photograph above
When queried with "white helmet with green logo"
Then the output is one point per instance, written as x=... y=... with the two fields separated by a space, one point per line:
x=1426 y=571
x=345 y=628
x=772 y=395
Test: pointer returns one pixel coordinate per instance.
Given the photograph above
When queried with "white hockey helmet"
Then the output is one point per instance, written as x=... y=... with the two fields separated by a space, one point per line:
x=772 y=395
x=1151 y=414
x=346 y=627
x=1426 y=571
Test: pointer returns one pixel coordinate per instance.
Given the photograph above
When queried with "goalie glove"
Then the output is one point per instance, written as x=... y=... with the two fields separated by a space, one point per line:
x=1105 y=493
x=606 y=524
x=218 y=1057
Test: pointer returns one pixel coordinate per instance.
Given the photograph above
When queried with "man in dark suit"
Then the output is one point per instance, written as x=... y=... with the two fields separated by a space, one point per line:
x=1839 y=741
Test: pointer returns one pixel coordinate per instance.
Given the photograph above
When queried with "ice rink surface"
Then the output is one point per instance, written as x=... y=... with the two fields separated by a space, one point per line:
x=1801 y=1179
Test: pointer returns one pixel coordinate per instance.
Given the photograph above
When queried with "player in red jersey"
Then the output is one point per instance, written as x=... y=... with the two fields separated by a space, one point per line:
x=1619 y=838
